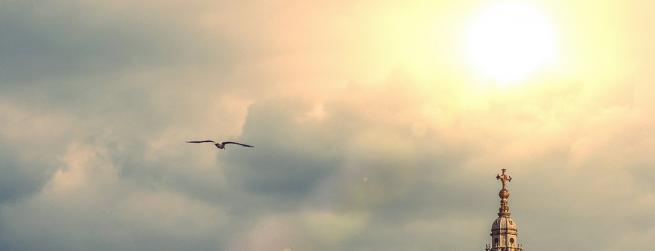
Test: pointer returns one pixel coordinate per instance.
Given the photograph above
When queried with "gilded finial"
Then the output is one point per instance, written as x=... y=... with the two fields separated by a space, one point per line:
x=504 y=193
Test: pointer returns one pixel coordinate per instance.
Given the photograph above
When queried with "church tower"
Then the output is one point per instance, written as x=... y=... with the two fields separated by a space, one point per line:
x=504 y=231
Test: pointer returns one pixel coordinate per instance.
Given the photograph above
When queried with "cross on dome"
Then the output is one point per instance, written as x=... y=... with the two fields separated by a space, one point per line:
x=504 y=178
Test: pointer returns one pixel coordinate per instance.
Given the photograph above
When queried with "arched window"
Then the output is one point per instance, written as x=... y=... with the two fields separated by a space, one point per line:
x=511 y=240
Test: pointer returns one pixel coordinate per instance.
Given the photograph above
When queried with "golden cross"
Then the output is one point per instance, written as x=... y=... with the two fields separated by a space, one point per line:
x=504 y=178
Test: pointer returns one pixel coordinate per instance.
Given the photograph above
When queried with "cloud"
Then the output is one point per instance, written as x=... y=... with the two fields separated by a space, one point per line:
x=51 y=43
x=86 y=205
x=355 y=150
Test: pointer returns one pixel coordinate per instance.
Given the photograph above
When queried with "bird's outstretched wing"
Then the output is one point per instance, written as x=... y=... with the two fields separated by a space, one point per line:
x=201 y=141
x=236 y=143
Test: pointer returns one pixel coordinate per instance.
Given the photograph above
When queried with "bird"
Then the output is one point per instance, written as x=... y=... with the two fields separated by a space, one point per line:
x=220 y=145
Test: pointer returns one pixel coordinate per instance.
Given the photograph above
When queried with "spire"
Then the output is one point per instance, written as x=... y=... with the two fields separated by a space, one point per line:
x=504 y=193
x=504 y=231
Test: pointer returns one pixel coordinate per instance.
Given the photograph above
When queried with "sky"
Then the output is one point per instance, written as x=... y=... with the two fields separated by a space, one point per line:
x=373 y=129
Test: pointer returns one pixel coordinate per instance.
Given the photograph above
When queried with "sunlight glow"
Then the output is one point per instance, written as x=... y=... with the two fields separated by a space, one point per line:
x=509 y=41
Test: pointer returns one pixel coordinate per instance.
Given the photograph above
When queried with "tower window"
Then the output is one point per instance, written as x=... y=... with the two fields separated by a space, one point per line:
x=496 y=241
x=511 y=240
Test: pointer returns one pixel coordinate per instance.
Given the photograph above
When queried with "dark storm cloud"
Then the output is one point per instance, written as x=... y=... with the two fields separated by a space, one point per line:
x=17 y=181
x=68 y=48
x=294 y=158
x=46 y=41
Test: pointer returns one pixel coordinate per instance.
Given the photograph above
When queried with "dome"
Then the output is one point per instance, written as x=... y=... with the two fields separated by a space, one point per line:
x=504 y=225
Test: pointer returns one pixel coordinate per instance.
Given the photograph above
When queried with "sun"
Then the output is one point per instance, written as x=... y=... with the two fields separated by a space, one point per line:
x=509 y=41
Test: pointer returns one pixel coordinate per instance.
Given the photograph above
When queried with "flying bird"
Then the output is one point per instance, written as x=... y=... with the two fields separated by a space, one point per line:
x=220 y=145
